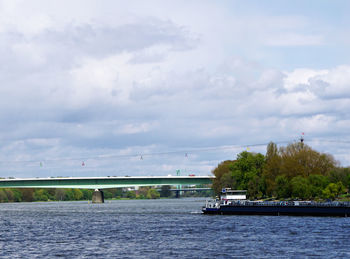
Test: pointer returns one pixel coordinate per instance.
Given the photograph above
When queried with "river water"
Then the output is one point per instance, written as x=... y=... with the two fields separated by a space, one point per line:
x=171 y=228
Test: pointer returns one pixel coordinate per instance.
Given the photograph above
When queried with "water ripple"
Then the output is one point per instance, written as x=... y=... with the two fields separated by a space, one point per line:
x=162 y=229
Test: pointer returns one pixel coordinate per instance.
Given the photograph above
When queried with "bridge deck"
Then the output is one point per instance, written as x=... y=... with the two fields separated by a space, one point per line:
x=103 y=182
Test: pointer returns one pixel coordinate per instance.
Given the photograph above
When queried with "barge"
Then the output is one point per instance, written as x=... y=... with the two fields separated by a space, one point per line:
x=234 y=202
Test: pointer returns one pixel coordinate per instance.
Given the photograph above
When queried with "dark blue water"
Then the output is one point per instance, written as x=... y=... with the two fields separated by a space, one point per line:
x=162 y=229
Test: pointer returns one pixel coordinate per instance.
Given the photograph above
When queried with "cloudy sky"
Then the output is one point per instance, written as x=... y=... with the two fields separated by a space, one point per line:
x=97 y=88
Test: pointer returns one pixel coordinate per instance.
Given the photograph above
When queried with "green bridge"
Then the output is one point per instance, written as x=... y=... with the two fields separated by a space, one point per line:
x=99 y=183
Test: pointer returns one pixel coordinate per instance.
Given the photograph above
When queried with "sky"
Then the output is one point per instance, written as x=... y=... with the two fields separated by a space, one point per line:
x=115 y=88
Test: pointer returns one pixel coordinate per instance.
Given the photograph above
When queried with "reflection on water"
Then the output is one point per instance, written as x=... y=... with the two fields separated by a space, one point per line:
x=162 y=229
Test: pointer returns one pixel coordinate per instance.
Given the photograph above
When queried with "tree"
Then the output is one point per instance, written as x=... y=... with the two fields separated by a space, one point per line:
x=27 y=194
x=254 y=187
x=153 y=194
x=317 y=184
x=60 y=194
x=9 y=195
x=41 y=195
x=300 y=188
x=283 y=189
x=17 y=195
x=339 y=175
x=3 y=196
x=224 y=168
x=87 y=194
x=272 y=167
x=115 y=192
x=142 y=192
x=118 y=192
x=131 y=195
x=68 y=195
x=107 y=194
x=165 y=191
x=243 y=173
x=247 y=173
x=77 y=194
x=333 y=190
x=298 y=159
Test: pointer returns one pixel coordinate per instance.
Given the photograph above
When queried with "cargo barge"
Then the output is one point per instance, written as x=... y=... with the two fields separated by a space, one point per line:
x=234 y=202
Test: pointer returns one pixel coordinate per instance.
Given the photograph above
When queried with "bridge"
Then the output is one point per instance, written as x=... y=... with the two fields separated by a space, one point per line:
x=100 y=183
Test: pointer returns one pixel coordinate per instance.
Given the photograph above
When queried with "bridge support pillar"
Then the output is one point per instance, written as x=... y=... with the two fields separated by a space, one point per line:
x=97 y=196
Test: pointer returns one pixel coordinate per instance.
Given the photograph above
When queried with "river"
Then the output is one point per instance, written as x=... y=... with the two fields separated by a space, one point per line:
x=164 y=228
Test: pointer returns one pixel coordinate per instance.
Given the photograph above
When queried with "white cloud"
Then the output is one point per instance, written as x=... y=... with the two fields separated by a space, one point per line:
x=326 y=84
x=300 y=77
x=335 y=84
x=104 y=81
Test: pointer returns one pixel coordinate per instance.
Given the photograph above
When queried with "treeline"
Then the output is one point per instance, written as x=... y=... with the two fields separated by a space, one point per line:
x=29 y=194
x=295 y=171
x=51 y=194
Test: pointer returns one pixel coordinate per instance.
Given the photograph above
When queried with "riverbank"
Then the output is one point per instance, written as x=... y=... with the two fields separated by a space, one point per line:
x=34 y=195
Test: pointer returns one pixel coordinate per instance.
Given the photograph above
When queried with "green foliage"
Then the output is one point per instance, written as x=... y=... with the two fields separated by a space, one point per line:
x=60 y=195
x=248 y=169
x=68 y=194
x=107 y=194
x=142 y=192
x=165 y=191
x=87 y=194
x=27 y=194
x=17 y=195
x=317 y=184
x=339 y=175
x=283 y=188
x=333 y=190
x=41 y=195
x=305 y=171
x=117 y=192
x=78 y=194
x=9 y=195
x=220 y=181
x=272 y=168
x=298 y=159
x=295 y=170
x=300 y=188
x=131 y=195
x=153 y=194
x=254 y=189
x=244 y=173
x=3 y=196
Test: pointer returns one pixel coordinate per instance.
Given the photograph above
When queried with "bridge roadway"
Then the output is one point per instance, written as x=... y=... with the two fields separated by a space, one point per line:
x=103 y=182
x=99 y=183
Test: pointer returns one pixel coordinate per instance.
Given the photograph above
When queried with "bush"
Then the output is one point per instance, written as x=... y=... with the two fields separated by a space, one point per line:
x=41 y=195
x=333 y=190
x=282 y=187
x=300 y=188
x=131 y=195
x=153 y=194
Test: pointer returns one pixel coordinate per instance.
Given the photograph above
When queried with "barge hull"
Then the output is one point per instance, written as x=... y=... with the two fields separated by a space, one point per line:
x=280 y=210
